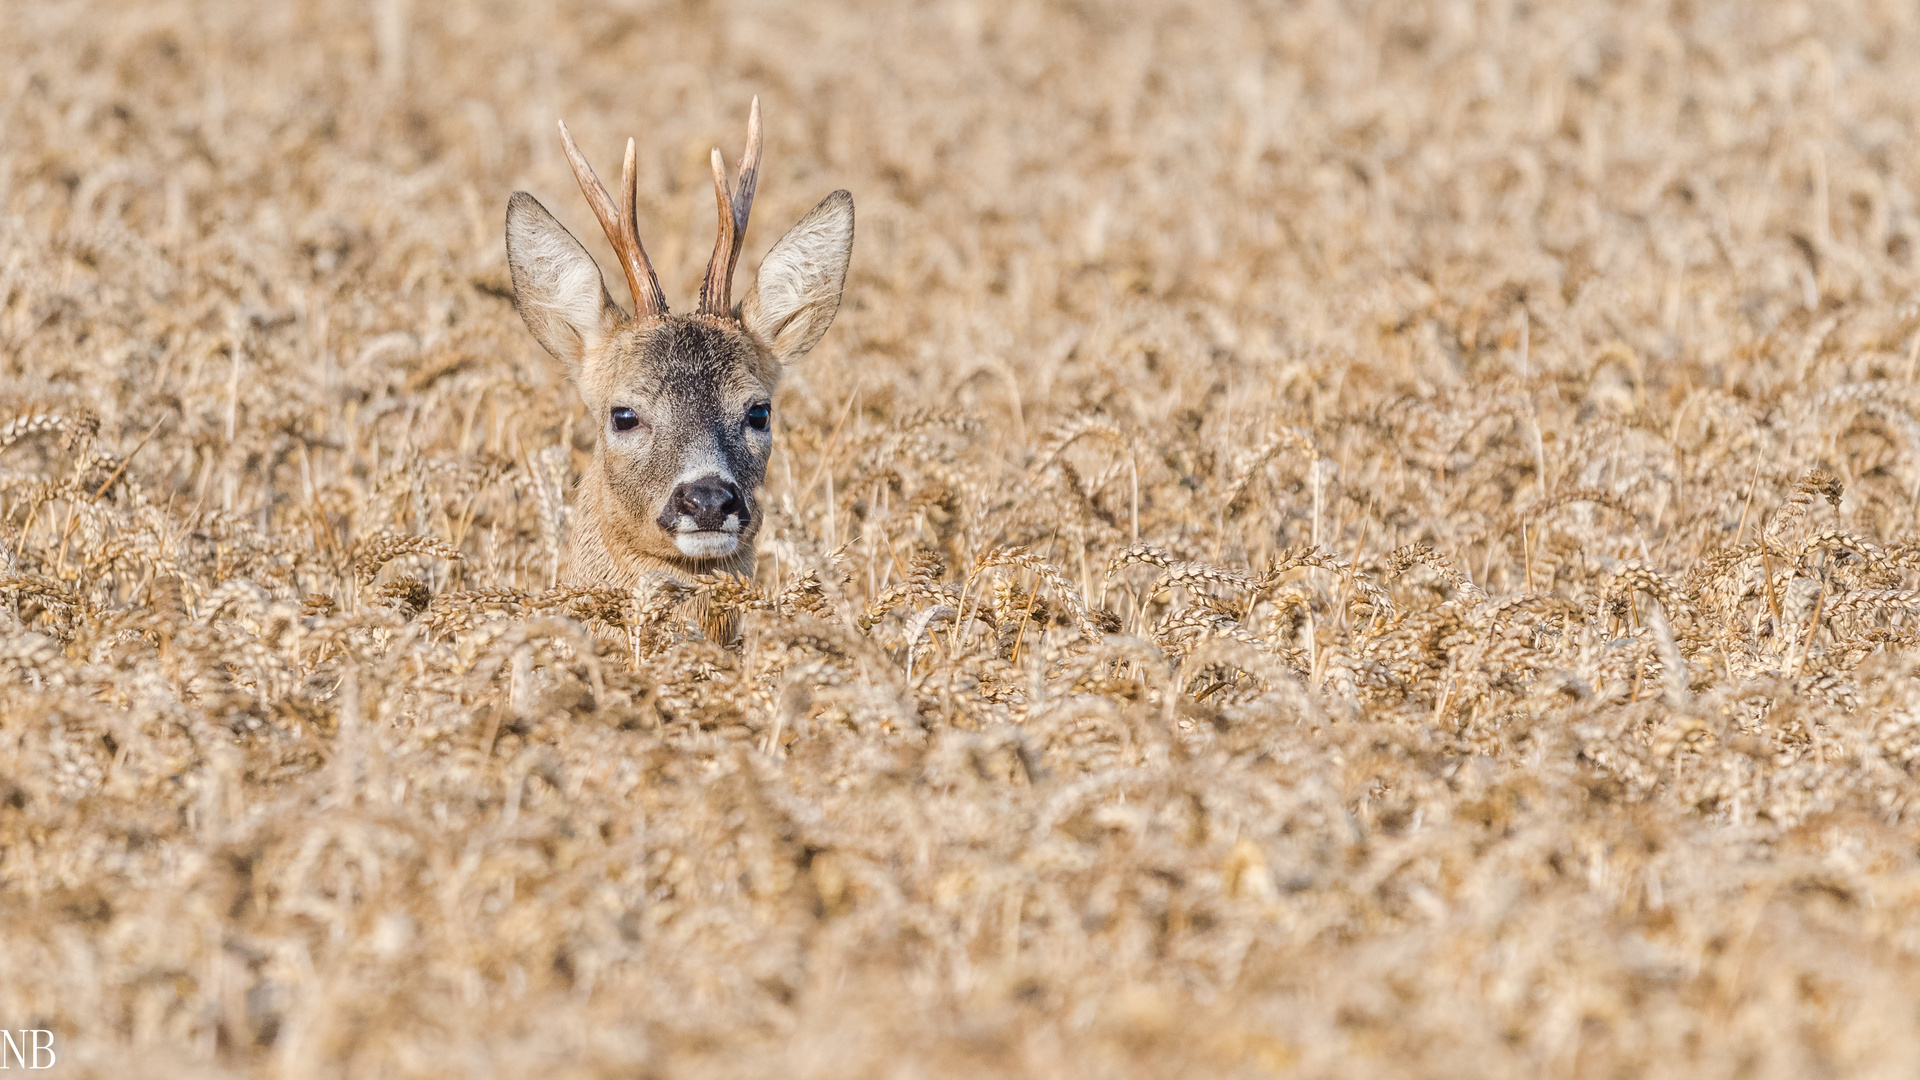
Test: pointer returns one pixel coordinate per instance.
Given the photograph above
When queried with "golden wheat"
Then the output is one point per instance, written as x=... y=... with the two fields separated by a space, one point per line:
x=1326 y=540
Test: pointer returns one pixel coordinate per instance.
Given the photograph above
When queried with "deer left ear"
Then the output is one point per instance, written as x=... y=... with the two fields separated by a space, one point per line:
x=797 y=292
x=556 y=284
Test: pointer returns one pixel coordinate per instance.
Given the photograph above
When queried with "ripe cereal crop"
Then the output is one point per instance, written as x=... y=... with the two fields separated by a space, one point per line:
x=1324 y=540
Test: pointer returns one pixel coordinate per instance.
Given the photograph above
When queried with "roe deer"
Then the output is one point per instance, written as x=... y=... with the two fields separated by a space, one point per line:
x=683 y=403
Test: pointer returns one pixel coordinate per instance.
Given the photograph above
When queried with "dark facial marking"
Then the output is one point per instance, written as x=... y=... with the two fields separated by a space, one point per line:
x=707 y=502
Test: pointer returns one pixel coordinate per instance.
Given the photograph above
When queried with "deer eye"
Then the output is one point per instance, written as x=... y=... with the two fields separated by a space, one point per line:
x=757 y=416
x=625 y=419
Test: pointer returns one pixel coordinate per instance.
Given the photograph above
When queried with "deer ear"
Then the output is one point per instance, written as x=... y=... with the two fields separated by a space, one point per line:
x=556 y=285
x=798 y=289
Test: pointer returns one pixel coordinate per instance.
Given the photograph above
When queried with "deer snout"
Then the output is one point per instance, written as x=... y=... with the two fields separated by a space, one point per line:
x=709 y=504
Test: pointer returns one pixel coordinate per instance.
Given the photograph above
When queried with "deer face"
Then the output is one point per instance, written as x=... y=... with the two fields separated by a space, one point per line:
x=683 y=403
x=685 y=412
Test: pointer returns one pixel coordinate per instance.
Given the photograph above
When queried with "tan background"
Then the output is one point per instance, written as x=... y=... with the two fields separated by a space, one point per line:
x=1612 y=307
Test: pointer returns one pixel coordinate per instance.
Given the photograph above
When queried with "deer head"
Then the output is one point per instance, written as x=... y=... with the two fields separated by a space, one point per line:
x=683 y=403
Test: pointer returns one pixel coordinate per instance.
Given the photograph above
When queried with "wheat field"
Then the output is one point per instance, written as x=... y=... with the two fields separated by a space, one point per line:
x=1326 y=540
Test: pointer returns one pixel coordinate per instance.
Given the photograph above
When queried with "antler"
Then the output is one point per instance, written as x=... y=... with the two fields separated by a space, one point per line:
x=617 y=220
x=716 y=293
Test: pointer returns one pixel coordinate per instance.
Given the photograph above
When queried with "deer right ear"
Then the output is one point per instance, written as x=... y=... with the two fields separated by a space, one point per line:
x=798 y=290
x=556 y=285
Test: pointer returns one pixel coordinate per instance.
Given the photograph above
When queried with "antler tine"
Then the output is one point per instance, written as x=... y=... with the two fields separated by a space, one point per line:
x=716 y=294
x=716 y=291
x=748 y=172
x=617 y=220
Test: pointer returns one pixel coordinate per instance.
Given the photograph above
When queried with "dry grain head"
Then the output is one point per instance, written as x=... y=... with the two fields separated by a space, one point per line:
x=683 y=403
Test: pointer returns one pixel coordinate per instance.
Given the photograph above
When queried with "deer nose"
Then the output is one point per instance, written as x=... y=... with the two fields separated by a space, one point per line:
x=710 y=504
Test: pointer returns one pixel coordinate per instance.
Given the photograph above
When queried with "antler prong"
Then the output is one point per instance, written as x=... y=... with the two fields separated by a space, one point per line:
x=617 y=220
x=629 y=193
x=716 y=293
x=715 y=290
x=748 y=174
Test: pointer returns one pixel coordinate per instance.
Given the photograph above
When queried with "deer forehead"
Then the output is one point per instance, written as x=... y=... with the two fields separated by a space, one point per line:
x=681 y=363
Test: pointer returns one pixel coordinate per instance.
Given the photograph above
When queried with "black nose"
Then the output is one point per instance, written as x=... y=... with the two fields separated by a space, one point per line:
x=709 y=502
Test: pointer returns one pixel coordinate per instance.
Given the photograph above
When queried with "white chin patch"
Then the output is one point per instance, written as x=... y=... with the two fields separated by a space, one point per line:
x=707 y=545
